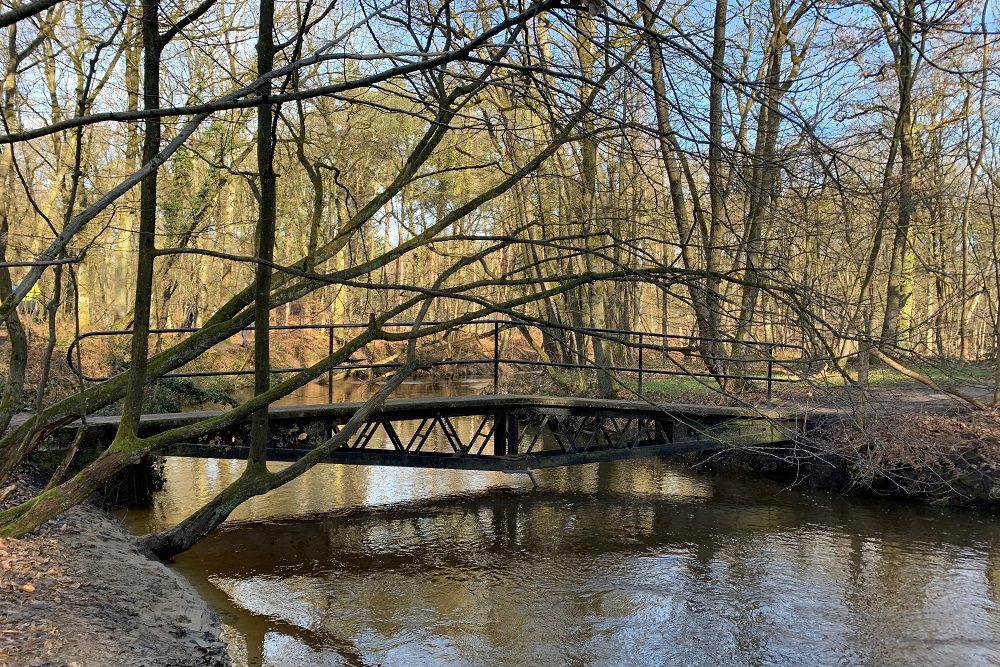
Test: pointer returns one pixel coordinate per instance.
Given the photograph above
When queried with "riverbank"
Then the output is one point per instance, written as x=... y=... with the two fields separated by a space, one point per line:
x=79 y=592
x=936 y=457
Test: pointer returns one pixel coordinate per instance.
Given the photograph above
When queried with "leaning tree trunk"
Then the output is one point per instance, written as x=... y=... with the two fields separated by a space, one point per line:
x=257 y=481
x=684 y=220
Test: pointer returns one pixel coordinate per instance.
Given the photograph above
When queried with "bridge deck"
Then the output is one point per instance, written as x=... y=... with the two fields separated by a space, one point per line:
x=481 y=404
x=510 y=433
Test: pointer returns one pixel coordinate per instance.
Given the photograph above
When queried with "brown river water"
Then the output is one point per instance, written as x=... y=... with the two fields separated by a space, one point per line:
x=641 y=562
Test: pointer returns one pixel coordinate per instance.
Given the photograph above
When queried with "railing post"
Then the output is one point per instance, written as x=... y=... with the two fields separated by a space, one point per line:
x=770 y=370
x=496 y=357
x=513 y=433
x=640 y=364
x=499 y=433
x=329 y=373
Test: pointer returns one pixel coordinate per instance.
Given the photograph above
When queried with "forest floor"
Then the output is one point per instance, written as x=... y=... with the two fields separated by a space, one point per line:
x=887 y=391
x=79 y=592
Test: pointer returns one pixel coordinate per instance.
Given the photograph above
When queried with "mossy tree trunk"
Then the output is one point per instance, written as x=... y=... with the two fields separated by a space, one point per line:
x=257 y=480
x=899 y=289
x=267 y=213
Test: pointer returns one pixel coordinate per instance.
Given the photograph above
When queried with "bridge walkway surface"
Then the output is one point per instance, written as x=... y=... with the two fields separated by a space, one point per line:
x=507 y=433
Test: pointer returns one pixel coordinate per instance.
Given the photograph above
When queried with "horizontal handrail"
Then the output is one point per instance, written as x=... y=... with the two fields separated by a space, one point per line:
x=619 y=336
x=506 y=323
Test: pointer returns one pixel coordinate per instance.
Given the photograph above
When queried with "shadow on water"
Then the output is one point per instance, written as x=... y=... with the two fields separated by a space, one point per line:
x=638 y=562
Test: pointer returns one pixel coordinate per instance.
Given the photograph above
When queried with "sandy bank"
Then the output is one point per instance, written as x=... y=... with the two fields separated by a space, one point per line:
x=79 y=592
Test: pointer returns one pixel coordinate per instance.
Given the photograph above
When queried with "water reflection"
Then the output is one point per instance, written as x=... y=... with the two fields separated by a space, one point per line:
x=634 y=562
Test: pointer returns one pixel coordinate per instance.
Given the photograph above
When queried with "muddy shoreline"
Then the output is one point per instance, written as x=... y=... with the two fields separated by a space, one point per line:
x=918 y=457
x=79 y=591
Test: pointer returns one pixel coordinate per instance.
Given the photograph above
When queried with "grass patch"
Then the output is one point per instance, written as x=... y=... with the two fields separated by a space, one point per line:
x=943 y=372
x=673 y=385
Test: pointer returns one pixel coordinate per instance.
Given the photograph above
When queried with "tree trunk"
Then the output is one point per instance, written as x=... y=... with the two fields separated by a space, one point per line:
x=717 y=195
x=588 y=182
x=265 y=241
x=683 y=218
x=258 y=480
x=899 y=290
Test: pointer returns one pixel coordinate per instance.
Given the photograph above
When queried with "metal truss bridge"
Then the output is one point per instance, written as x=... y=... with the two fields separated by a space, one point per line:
x=507 y=433
x=501 y=432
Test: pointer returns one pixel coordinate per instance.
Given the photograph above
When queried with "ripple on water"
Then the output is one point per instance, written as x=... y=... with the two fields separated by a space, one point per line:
x=629 y=563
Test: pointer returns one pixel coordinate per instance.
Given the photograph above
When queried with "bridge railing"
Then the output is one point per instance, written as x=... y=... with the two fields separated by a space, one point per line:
x=645 y=347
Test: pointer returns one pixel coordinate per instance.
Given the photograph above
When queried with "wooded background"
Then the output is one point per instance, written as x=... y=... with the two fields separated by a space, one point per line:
x=852 y=160
x=813 y=172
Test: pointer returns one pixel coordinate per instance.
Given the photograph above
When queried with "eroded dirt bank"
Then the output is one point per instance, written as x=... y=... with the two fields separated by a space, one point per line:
x=929 y=457
x=79 y=592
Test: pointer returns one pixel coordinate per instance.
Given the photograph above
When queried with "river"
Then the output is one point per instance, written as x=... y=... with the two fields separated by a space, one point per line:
x=641 y=562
